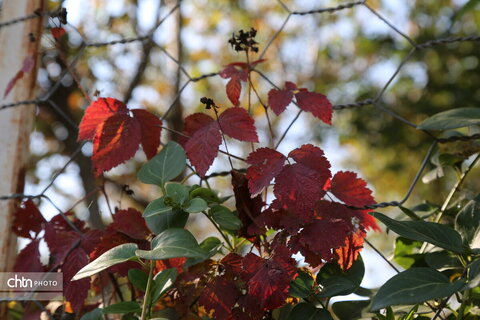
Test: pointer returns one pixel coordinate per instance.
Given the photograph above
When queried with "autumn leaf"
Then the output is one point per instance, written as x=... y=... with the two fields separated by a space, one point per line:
x=248 y=207
x=28 y=219
x=205 y=136
x=220 y=296
x=348 y=254
x=316 y=103
x=353 y=191
x=28 y=260
x=131 y=223
x=27 y=67
x=117 y=133
x=265 y=165
x=237 y=72
x=57 y=32
x=75 y=291
x=268 y=280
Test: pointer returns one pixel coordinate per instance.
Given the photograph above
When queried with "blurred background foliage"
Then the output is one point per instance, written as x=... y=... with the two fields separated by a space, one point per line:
x=348 y=55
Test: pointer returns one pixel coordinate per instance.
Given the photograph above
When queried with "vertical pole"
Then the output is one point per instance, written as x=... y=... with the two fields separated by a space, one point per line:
x=15 y=123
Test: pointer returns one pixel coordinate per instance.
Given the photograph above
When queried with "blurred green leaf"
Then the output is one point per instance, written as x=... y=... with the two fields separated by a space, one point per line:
x=452 y=119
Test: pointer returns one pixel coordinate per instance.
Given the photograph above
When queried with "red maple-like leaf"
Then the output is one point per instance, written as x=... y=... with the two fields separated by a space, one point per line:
x=347 y=254
x=57 y=32
x=28 y=260
x=27 y=67
x=205 y=136
x=60 y=243
x=98 y=112
x=279 y=99
x=268 y=280
x=202 y=147
x=237 y=72
x=346 y=186
x=75 y=291
x=131 y=223
x=28 y=219
x=238 y=124
x=313 y=102
x=150 y=129
x=265 y=164
x=298 y=188
x=317 y=239
x=219 y=295
x=316 y=103
x=234 y=86
x=176 y=263
x=116 y=134
x=248 y=208
x=116 y=140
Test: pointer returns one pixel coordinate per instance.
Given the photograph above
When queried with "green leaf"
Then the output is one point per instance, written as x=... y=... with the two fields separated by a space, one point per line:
x=343 y=283
x=173 y=243
x=174 y=219
x=413 y=286
x=123 y=307
x=467 y=221
x=225 y=218
x=302 y=286
x=404 y=253
x=409 y=213
x=452 y=119
x=350 y=310
x=162 y=282
x=206 y=194
x=165 y=166
x=307 y=311
x=196 y=205
x=155 y=207
x=138 y=278
x=95 y=314
x=443 y=260
x=434 y=233
x=116 y=255
x=177 y=193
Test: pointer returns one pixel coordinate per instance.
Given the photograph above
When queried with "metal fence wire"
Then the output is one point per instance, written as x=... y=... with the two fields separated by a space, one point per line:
x=45 y=100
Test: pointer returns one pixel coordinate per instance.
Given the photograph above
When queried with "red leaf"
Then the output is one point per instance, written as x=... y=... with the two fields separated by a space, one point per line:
x=57 y=33
x=60 y=243
x=278 y=100
x=27 y=67
x=28 y=260
x=265 y=164
x=248 y=208
x=98 y=112
x=202 y=147
x=151 y=129
x=28 y=219
x=349 y=252
x=317 y=239
x=234 y=88
x=315 y=103
x=116 y=140
x=367 y=221
x=193 y=123
x=352 y=190
x=176 y=263
x=298 y=188
x=237 y=123
x=219 y=295
x=269 y=280
x=314 y=158
x=91 y=239
x=131 y=223
x=75 y=291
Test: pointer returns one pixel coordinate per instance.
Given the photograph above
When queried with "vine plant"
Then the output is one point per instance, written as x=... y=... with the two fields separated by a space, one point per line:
x=158 y=270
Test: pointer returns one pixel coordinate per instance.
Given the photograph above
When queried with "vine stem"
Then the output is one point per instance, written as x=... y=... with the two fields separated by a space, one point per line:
x=461 y=310
x=147 y=291
x=450 y=197
x=456 y=188
x=220 y=231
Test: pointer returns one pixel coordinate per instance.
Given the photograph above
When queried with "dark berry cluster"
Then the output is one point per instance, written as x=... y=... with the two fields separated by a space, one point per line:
x=244 y=41
x=209 y=103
